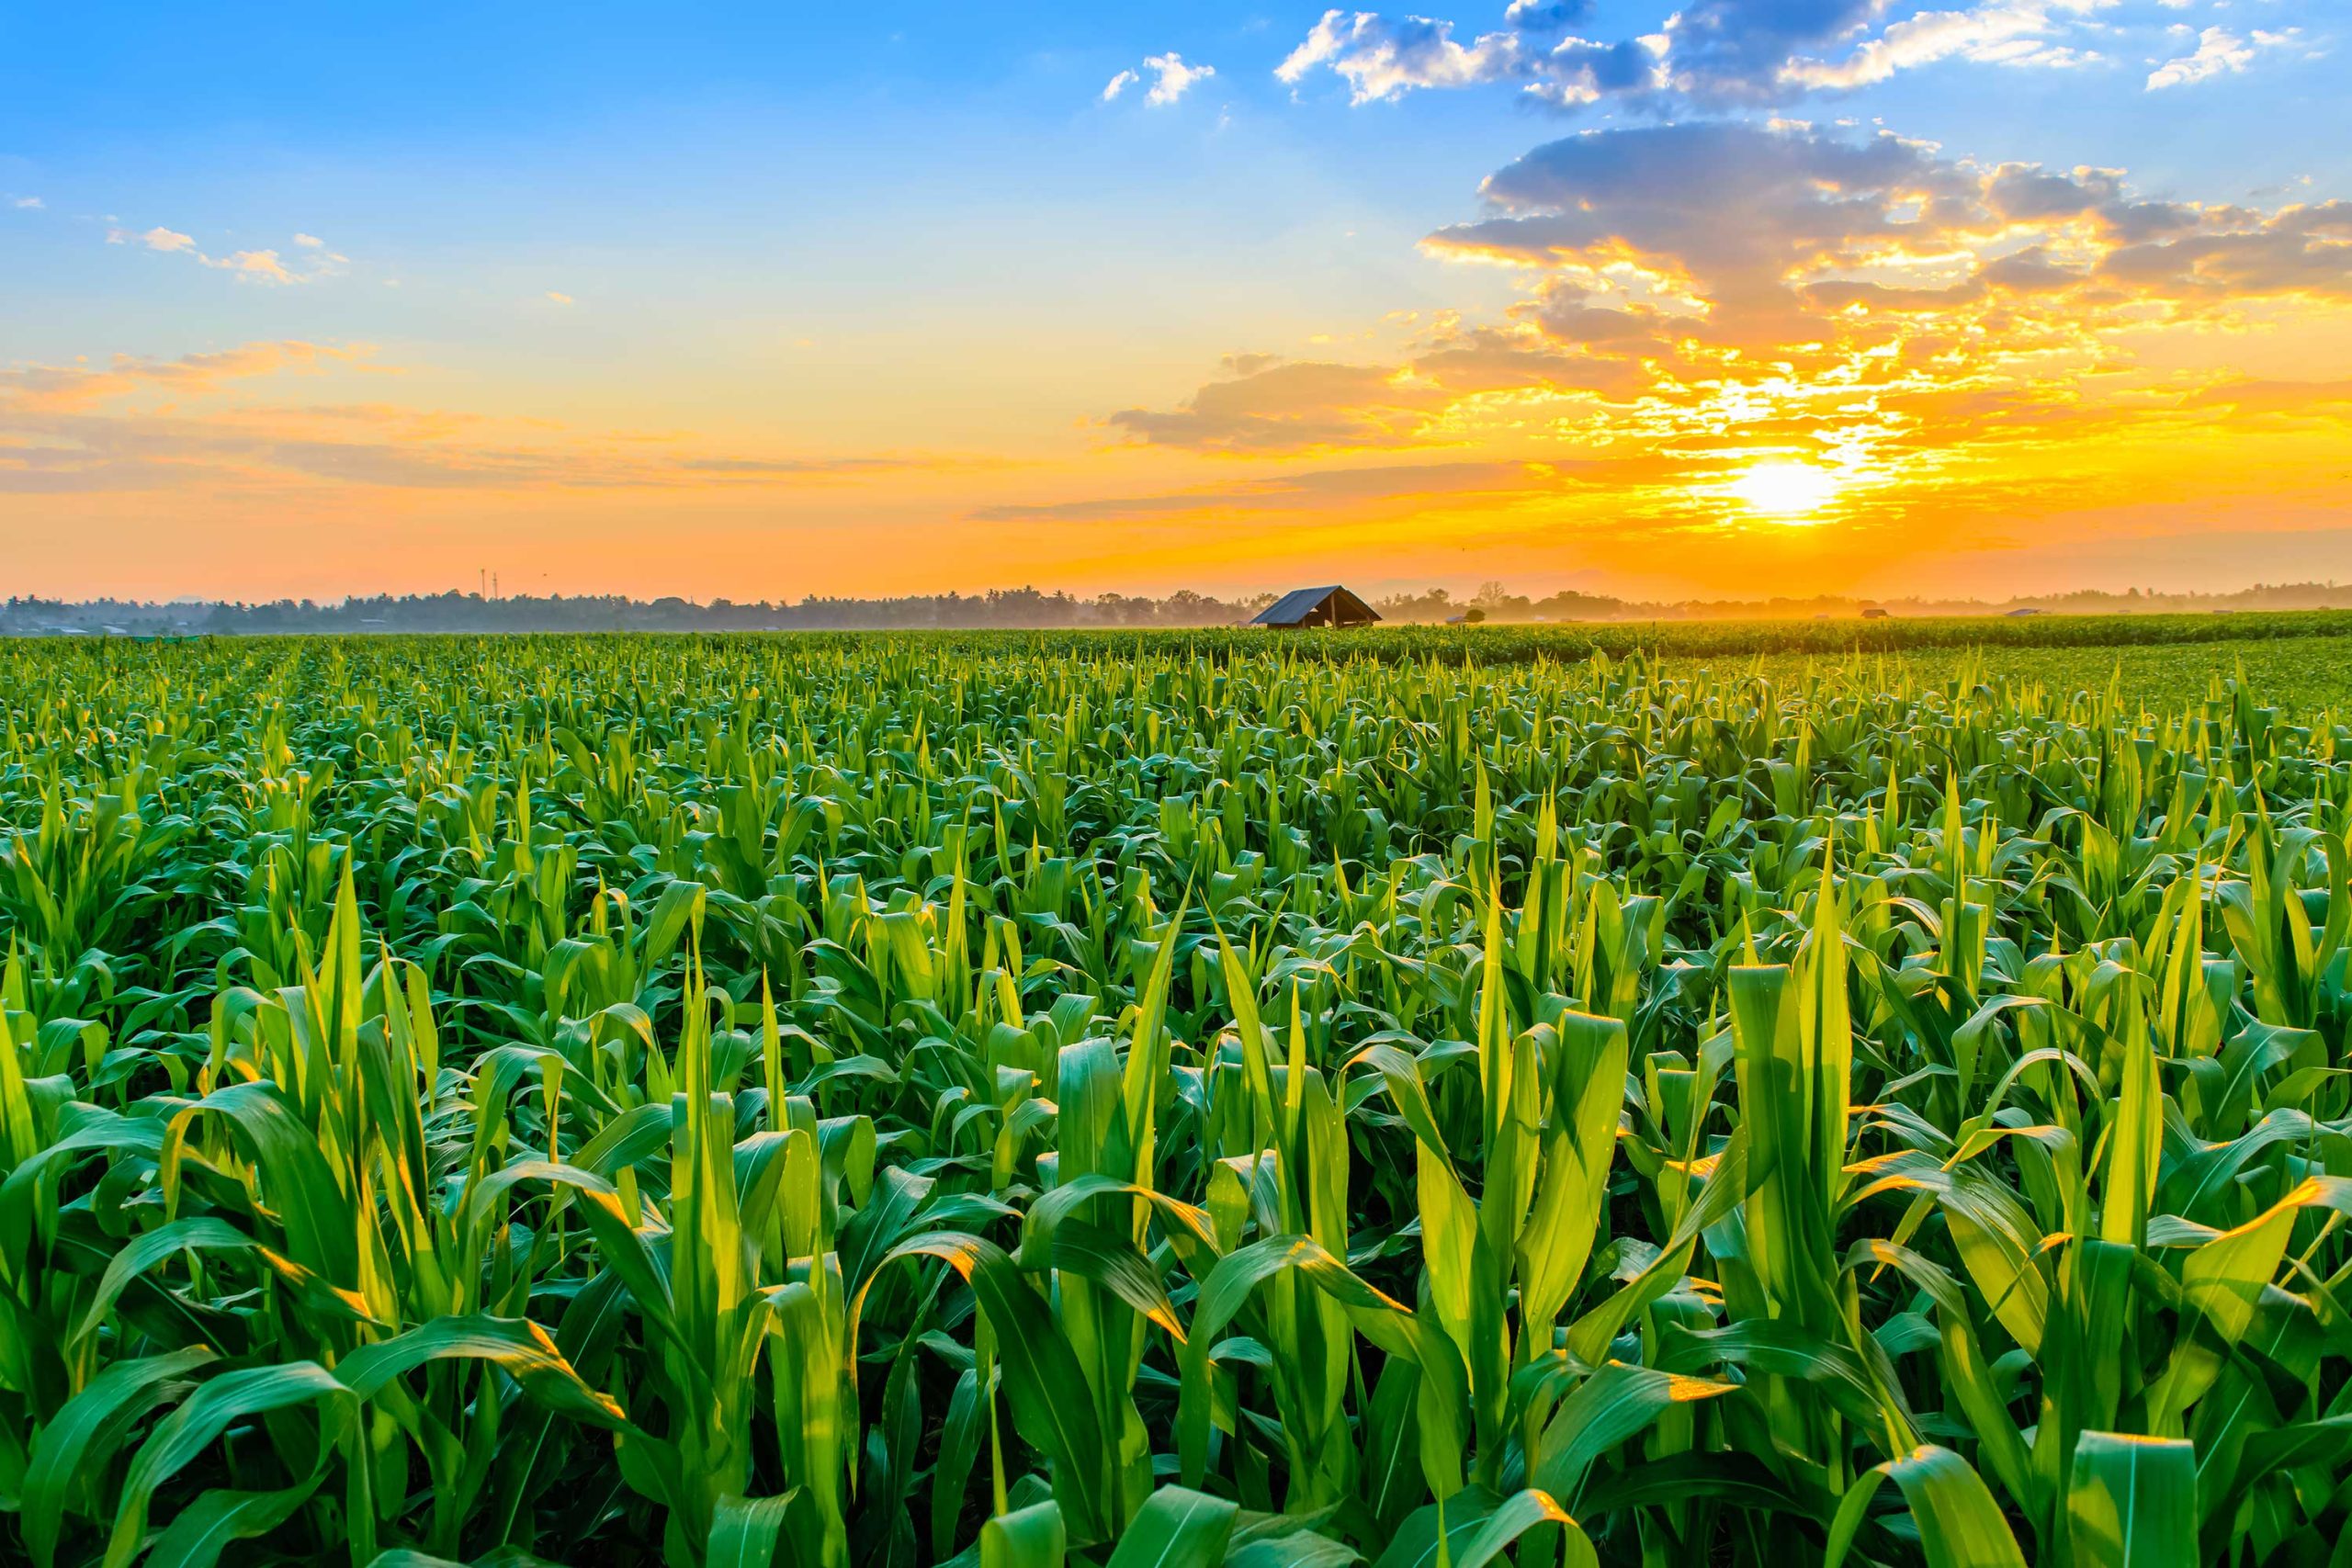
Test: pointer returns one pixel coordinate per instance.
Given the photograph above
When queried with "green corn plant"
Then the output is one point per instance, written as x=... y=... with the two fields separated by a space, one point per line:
x=1606 y=1096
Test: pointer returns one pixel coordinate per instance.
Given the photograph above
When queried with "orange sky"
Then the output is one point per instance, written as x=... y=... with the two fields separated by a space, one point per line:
x=1713 y=355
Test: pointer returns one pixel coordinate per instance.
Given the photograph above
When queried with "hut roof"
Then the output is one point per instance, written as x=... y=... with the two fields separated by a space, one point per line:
x=1327 y=606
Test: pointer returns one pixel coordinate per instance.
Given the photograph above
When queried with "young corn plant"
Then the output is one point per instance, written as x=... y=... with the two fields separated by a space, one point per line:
x=1168 y=1103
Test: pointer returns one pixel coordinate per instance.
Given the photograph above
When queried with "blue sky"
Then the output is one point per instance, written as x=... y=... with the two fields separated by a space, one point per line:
x=916 y=248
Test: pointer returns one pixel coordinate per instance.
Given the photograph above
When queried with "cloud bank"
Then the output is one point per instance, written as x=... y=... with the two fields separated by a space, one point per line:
x=1716 y=55
x=1698 y=298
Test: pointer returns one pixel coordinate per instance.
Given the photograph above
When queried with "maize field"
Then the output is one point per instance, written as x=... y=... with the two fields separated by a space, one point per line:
x=1018 y=1101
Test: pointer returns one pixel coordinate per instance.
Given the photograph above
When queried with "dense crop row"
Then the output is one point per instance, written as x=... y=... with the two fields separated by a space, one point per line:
x=1499 y=643
x=877 y=1100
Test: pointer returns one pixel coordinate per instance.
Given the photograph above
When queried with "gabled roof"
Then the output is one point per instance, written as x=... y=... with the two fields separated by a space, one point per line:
x=1294 y=605
x=1299 y=604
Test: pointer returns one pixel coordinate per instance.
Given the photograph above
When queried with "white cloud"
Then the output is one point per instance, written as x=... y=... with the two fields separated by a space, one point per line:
x=27 y=203
x=2219 y=53
x=2006 y=32
x=1174 y=78
x=1170 y=79
x=1384 y=59
x=248 y=267
x=259 y=267
x=157 y=239
x=559 y=297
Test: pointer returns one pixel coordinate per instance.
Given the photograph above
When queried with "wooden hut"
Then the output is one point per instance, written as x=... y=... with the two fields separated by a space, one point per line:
x=1332 y=606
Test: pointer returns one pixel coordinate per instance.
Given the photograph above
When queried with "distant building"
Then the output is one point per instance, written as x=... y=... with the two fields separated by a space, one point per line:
x=2027 y=610
x=1332 y=606
x=1874 y=613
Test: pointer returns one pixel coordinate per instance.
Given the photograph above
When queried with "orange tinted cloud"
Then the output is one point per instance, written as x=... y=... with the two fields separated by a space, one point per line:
x=150 y=424
x=49 y=388
x=1926 y=337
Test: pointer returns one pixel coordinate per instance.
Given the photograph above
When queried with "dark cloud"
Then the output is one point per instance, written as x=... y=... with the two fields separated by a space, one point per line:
x=1725 y=210
x=2281 y=256
x=2024 y=191
x=1732 y=51
x=1467 y=363
x=1544 y=17
x=1666 y=179
x=2030 y=271
x=1738 y=207
x=1838 y=295
x=1291 y=407
x=2134 y=222
x=1585 y=323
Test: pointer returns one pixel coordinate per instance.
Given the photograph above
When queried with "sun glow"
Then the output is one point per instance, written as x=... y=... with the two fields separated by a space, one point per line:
x=1786 y=491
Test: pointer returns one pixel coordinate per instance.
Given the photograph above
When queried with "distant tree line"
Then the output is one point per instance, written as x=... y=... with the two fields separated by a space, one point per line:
x=454 y=612
x=1495 y=601
x=1019 y=607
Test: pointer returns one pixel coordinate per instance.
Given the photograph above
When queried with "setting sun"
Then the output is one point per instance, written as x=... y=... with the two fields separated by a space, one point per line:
x=1784 y=490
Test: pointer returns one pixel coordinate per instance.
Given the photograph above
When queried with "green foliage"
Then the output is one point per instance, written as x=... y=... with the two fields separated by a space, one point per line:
x=1180 y=1100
